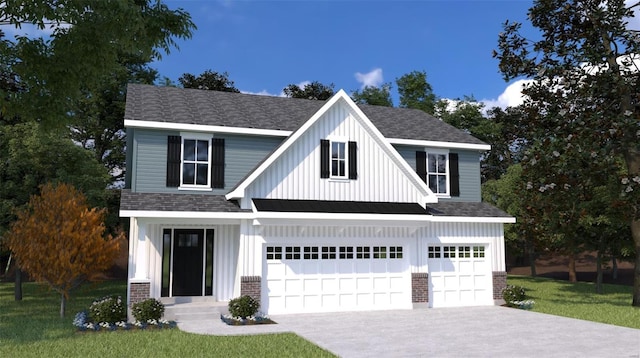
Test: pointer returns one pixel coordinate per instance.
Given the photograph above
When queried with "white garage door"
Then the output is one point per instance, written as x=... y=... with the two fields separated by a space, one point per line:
x=459 y=275
x=325 y=278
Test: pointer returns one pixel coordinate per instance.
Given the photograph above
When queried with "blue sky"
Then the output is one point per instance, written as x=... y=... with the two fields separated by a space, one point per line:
x=266 y=45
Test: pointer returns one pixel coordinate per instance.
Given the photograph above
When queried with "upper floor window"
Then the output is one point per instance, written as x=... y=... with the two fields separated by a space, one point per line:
x=440 y=171
x=338 y=159
x=437 y=173
x=195 y=161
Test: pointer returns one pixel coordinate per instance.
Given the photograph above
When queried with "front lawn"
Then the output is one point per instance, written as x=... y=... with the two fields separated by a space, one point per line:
x=579 y=300
x=32 y=328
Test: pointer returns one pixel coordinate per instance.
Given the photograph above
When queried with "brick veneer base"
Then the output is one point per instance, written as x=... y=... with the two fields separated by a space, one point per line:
x=140 y=291
x=250 y=285
x=419 y=287
x=499 y=283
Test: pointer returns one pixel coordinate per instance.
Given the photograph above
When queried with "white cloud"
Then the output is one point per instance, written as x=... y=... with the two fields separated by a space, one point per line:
x=373 y=78
x=511 y=97
x=263 y=93
x=634 y=22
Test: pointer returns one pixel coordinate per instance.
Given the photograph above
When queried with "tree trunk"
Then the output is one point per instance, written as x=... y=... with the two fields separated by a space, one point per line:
x=635 y=232
x=572 y=268
x=614 y=268
x=63 y=305
x=532 y=258
x=599 y=272
x=632 y=159
x=18 y=284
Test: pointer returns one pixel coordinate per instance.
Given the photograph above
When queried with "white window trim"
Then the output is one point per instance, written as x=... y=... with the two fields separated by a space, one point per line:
x=345 y=141
x=196 y=136
x=445 y=152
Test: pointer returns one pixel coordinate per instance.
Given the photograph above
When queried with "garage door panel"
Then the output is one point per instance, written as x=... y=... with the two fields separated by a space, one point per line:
x=459 y=275
x=337 y=278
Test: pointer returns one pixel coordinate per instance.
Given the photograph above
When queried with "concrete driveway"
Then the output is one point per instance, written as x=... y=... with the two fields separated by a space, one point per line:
x=446 y=332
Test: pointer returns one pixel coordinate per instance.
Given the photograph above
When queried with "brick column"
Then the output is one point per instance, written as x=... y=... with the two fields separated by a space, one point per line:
x=499 y=283
x=140 y=291
x=419 y=287
x=251 y=286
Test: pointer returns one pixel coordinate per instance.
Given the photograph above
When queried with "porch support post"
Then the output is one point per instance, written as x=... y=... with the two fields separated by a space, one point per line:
x=142 y=252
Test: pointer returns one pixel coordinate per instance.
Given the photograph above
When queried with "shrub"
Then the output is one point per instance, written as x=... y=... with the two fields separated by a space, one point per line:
x=513 y=293
x=147 y=310
x=243 y=306
x=109 y=309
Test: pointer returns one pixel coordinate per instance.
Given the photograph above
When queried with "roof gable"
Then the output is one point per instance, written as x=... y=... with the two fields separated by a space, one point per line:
x=341 y=103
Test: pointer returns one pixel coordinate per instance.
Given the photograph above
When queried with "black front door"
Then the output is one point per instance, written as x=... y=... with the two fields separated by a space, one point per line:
x=188 y=249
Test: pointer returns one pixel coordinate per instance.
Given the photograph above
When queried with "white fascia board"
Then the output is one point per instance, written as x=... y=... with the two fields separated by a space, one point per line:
x=132 y=123
x=186 y=214
x=474 y=219
x=238 y=193
x=429 y=143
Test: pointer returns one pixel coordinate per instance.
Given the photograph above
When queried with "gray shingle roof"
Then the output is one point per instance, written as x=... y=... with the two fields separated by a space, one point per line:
x=192 y=106
x=464 y=209
x=177 y=202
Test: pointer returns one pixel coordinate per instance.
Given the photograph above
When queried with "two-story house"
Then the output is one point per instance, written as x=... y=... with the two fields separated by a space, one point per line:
x=309 y=206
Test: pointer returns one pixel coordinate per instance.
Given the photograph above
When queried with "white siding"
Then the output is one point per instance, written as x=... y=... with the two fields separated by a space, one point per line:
x=296 y=173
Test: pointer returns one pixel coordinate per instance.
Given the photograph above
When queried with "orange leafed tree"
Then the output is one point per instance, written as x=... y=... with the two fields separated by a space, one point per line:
x=59 y=240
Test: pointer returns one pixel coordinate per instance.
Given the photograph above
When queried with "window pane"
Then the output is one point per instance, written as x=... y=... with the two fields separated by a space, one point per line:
x=341 y=169
x=188 y=173
x=431 y=163
x=189 y=149
x=442 y=163
x=203 y=150
x=433 y=183
x=442 y=183
x=334 y=167
x=203 y=171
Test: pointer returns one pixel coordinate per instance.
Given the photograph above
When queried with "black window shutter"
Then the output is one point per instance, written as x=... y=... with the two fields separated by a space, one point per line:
x=454 y=174
x=421 y=165
x=174 y=142
x=217 y=163
x=353 y=160
x=324 y=158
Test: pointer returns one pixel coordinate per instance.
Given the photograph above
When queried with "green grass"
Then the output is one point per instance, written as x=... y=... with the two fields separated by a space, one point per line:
x=32 y=328
x=579 y=300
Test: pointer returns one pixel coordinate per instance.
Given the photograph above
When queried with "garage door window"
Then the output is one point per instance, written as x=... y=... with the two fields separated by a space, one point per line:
x=274 y=253
x=434 y=252
x=478 y=251
x=346 y=252
x=292 y=253
x=464 y=251
x=449 y=252
x=338 y=252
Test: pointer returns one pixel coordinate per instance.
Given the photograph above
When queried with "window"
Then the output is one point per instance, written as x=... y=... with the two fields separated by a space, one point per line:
x=434 y=252
x=195 y=161
x=449 y=252
x=328 y=252
x=478 y=251
x=338 y=159
x=439 y=170
x=310 y=252
x=379 y=252
x=464 y=252
x=395 y=252
x=292 y=253
x=274 y=253
x=346 y=252
x=363 y=252
x=437 y=173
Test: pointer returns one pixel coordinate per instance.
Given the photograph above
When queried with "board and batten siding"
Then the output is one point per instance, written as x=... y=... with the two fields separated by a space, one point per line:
x=468 y=165
x=149 y=164
x=296 y=173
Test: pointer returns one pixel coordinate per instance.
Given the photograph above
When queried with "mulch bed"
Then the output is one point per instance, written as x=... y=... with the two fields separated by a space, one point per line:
x=246 y=322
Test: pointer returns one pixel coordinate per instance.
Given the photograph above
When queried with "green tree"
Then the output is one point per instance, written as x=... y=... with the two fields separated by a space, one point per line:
x=416 y=92
x=60 y=241
x=88 y=38
x=583 y=95
x=377 y=96
x=209 y=80
x=314 y=90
